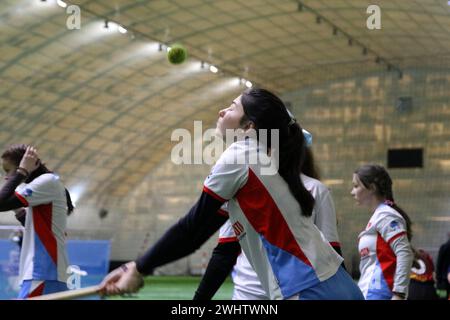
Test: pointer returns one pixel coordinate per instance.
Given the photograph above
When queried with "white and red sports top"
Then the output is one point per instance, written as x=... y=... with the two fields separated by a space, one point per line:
x=386 y=255
x=43 y=255
x=285 y=248
x=245 y=279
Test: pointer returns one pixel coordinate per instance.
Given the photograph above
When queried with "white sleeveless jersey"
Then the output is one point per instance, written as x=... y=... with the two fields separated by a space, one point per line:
x=43 y=255
x=246 y=283
x=286 y=249
x=386 y=255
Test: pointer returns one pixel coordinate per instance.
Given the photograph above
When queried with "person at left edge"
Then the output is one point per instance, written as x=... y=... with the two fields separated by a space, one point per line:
x=29 y=184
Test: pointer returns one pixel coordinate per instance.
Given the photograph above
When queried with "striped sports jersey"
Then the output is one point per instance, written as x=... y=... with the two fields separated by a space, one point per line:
x=43 y=255
x=286 y=249
x=386 y=255
x=246 y=283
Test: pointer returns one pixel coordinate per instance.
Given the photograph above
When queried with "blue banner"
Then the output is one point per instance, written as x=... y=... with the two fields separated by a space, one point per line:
x=89 y=261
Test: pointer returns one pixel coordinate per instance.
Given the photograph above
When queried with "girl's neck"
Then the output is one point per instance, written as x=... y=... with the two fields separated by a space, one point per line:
x=375 y=204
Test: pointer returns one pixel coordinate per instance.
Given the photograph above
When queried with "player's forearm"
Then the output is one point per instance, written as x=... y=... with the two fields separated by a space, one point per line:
x=404 y=254
x=10 y=204
x=186 y=236
x=10 y=186
x=219 y=267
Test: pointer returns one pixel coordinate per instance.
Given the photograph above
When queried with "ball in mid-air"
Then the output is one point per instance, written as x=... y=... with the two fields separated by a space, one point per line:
x=177 y=54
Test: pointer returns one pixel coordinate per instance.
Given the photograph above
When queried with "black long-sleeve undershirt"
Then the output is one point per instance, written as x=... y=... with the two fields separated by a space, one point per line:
x=442 y=267
x=186 y=236
x=219 y=267
x=8 y=200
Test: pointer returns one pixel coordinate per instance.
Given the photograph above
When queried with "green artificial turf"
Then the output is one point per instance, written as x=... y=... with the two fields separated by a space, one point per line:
x=175 y=288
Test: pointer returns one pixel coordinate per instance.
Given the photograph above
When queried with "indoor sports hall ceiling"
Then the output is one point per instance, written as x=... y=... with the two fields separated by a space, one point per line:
x=101 y=104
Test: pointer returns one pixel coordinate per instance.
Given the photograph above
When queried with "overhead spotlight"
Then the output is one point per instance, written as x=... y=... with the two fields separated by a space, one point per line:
x=248 y=84
x=318 y=20
x=364 y=51
x=377 y=60
x=213 y=69
x=300 y=7
x=350 y=42
x=168 y=48
x=61 y=3
x=106 y=24
x=335 y=31
x=122 y=29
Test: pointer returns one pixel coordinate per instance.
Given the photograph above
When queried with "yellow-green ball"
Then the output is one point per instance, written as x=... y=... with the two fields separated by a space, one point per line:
x=177 y=54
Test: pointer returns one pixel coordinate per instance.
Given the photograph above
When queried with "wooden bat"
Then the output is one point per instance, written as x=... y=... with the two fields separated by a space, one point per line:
x=69 y=294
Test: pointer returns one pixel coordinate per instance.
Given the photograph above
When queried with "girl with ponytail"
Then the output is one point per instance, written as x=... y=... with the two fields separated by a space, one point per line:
x=385 y=249
x=269 y=213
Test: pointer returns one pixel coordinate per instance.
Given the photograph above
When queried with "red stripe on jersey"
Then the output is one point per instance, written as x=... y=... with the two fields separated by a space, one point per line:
x=396 y=236
x=38 y=291
x=264 y=215
x=222 y=212
x=22 y=199
x=335 y=244
x=228 y=239
x=387 y=259
x=42 y=220
x=212 y=194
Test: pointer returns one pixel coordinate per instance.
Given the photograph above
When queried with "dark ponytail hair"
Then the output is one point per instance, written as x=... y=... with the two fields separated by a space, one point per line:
x=376 y=175
x=309 y=167
x=267 y=111
x=70 y=206
x=15 y=154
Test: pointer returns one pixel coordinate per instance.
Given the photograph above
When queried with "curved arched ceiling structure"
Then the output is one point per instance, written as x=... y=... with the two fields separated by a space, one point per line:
x=101 y=105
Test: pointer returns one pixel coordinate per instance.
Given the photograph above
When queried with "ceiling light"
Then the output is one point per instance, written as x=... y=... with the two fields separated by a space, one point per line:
x=213 y=69
x=61 y=3
x=122 y=29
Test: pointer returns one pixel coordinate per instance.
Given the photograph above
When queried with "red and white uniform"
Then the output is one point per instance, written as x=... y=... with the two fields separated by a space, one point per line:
x=43 y=255
x=285 y=248
x=246 y=283
x=386 y=255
